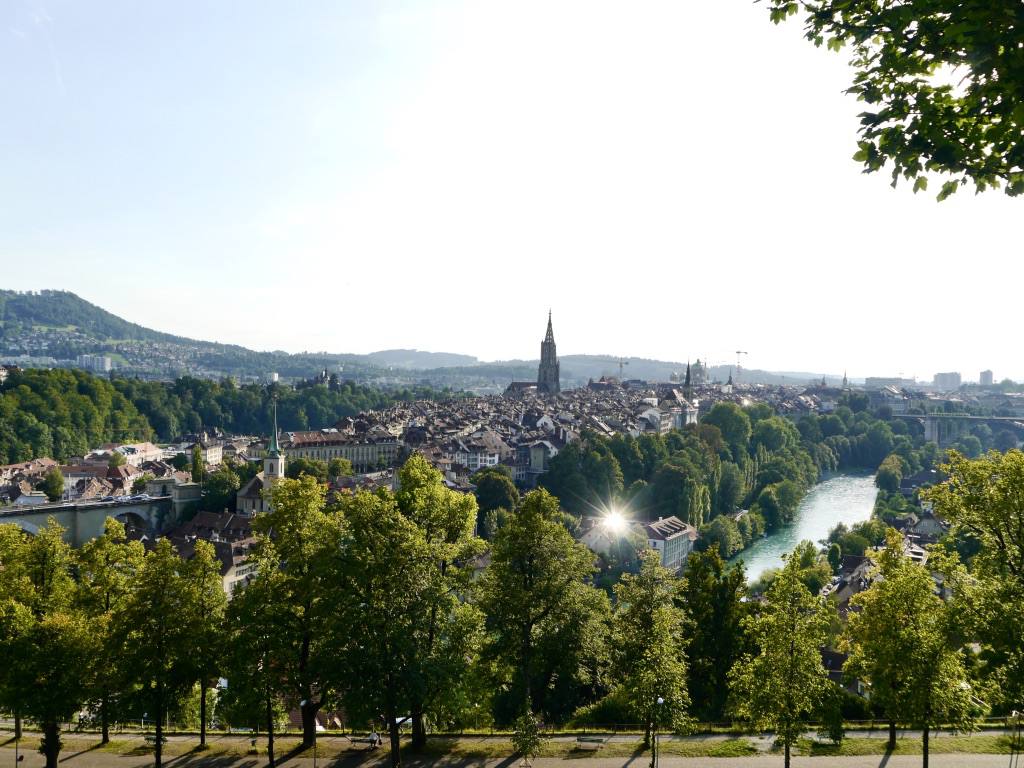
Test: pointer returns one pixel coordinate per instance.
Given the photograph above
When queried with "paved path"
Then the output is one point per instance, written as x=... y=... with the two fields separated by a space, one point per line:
x=94 y=760
x=378 y=759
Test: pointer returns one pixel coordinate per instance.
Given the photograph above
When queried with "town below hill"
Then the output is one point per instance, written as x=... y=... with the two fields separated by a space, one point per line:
x=60 y=329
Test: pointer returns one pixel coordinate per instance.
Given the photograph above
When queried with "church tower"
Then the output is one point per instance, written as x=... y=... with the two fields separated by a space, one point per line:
x=273 y=465
x=547 y=373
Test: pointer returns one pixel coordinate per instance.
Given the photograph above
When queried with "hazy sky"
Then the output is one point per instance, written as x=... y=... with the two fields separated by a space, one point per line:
x=672 y=178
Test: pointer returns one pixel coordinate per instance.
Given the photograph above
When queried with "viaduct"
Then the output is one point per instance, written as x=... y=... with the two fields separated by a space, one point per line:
x=84 y=520
x=942 y=428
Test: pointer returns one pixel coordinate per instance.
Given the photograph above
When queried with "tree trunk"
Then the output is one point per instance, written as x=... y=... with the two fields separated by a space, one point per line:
x=924 y=751
x=51 y=743
x=270 y=733
x=396 y=755
x=419 y=730
x=202 y=712
x=309 y=724
x=104 y=718
x=17 y=725
x=158 y=746
x=647 y=735
x=892 y=736
x=786 y=763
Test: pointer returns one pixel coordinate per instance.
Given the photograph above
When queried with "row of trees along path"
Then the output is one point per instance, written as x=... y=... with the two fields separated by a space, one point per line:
x=372 y=603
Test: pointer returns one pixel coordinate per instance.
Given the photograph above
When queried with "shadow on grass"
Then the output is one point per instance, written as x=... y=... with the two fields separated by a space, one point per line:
x=638 y=754
x=352 y=757
x=431 y=755
x=200 y=759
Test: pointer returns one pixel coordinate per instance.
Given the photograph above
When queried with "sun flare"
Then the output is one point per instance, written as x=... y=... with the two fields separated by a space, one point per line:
x=615 y=522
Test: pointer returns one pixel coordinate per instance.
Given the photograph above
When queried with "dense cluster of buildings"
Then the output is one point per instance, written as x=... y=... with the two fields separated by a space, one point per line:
x=522 y=430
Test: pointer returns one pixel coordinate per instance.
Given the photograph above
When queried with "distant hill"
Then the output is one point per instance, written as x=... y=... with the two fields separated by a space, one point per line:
x=414 y=359
x=59 y=325
x=62 y=309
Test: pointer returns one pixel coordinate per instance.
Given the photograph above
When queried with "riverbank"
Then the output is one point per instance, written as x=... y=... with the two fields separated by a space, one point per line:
x=846 y=497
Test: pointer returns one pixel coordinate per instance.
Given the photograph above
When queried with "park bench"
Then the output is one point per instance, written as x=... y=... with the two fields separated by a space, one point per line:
x=151 y=739
x=591 y=742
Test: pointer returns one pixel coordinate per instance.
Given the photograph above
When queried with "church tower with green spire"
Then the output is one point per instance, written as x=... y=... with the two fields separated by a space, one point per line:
x=273 y=464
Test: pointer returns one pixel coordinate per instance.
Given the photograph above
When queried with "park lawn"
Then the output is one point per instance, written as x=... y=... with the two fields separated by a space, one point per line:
x=978 y=744
x=231 y=746
x=499 y=748
x=735 y=747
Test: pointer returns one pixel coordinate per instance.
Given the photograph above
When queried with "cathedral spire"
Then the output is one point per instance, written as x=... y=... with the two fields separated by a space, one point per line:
x=273 y=449
x=547 y=374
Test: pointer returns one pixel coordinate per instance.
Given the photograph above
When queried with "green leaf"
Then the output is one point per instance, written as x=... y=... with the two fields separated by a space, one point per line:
x=948 y=188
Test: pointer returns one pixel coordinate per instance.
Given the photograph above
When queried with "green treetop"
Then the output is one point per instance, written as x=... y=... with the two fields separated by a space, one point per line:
x=255 y=650
x=713 y=597
x=783 y=682
x=47 y=633
x=545 y=624
x=386 y=581
x=942 y=80
x=338 y=467
x=982 y=502
x=734 y=425
x=900 y=644
x=53 y=484
x=207 y=603
x=107 y=568
x=305 y=536
x=154 y=632
x=448 y=638
x=647 y=635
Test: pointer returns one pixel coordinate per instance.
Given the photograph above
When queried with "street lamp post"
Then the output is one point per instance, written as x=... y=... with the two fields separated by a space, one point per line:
x=654 y=743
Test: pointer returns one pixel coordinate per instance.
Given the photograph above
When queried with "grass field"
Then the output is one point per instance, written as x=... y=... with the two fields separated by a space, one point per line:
x=977 y=744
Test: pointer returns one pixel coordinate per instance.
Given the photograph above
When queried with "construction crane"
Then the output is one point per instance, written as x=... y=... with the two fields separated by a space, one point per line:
x=738 y=353
x=620 y=363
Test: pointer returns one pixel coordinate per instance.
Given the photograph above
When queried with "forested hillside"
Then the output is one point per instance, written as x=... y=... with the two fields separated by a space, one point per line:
x=62 y=413
x=63 y=309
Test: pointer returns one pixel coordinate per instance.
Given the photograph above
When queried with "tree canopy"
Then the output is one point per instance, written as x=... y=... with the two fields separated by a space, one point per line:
x=544 y=621
x=783 y=682
x=943 y=81
x=901 y=644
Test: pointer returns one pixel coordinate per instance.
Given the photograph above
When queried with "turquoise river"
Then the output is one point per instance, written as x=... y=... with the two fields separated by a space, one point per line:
x=837 y=499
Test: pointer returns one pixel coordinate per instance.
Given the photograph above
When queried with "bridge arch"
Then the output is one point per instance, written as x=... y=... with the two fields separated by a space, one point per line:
x=133 y=520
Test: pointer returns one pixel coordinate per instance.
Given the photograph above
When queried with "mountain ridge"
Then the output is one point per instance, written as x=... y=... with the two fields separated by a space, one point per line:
x=61 y=325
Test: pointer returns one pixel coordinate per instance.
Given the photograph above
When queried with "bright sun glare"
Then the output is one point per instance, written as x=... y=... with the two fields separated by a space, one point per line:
x=615 y=522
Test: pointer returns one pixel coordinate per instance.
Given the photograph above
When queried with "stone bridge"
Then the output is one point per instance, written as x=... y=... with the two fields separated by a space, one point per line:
x=84 y=520
x=946 y=427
